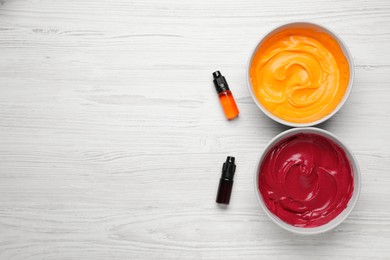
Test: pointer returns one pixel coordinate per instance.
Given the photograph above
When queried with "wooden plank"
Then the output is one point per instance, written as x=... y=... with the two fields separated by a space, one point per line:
x=112 y=137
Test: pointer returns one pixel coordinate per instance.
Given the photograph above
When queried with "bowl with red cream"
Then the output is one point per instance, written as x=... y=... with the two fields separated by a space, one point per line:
x=300 y=74
x=307 y=181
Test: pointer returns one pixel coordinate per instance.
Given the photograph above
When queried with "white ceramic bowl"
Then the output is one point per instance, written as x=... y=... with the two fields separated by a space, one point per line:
x=343 y=47
x=356 y=177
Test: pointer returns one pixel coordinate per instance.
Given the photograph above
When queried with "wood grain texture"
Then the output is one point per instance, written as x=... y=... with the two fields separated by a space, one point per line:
x=110 y=129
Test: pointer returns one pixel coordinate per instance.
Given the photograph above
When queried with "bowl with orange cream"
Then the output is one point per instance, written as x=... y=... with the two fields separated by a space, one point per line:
x=300 y=74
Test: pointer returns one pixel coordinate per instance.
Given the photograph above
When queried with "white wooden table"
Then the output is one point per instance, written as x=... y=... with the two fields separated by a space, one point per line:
x=112 y=137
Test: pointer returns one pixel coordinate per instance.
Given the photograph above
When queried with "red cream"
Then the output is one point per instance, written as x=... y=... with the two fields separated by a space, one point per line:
x=306 y=180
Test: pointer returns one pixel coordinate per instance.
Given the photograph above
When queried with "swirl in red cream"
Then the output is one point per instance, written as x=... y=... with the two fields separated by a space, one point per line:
x=306 y=180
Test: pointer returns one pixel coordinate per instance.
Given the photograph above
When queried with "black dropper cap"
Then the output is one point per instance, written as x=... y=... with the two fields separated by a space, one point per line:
x=220 y=82
x=226 y=181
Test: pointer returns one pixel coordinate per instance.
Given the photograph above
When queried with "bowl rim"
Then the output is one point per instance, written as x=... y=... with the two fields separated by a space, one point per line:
x=344 y=49
x=351 y=203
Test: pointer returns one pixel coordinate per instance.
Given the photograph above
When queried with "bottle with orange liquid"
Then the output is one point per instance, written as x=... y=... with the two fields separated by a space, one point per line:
x=226 y=98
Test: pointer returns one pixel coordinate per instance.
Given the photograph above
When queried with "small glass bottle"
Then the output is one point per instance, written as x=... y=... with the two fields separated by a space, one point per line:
x=225 y=96
x=226 y=181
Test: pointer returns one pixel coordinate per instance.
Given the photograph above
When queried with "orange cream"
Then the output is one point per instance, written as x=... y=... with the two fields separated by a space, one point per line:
x=299 y=74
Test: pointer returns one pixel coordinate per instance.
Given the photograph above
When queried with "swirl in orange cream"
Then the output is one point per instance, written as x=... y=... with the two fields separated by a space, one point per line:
x=299 y=75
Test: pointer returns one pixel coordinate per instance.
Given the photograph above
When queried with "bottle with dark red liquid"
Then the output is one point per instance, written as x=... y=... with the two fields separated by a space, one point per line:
x=226 y=181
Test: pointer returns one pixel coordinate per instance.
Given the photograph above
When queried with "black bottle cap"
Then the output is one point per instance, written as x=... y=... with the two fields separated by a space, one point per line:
x=220 y=82
x=226 y=181
x=228 y=168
